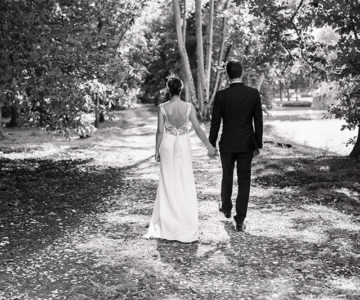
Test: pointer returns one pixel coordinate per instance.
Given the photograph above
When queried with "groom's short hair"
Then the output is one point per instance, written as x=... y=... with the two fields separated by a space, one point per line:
x=234 y=69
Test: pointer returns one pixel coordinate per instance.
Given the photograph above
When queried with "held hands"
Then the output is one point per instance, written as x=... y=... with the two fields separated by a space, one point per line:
x=256 y=152
x=212 y=152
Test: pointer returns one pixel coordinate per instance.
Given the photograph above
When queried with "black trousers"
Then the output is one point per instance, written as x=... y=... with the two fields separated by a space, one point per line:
x=243 y=167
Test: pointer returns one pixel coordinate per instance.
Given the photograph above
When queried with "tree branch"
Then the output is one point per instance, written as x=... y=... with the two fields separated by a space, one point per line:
x=296 y=11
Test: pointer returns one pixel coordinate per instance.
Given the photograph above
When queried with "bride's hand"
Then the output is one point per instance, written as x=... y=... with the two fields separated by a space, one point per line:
x=157 y=156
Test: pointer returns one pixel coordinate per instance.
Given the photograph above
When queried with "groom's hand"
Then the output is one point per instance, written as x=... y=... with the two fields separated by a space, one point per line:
x=211 y=151
x=256 y=152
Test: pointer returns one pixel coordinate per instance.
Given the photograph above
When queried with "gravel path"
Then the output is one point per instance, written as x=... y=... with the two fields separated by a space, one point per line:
x=73 y=224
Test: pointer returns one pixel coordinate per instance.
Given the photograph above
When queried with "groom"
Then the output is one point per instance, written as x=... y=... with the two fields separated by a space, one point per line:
x=239 y=106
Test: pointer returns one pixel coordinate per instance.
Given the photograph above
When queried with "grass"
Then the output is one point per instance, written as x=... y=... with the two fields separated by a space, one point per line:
x=308 y=127
x=73 y=215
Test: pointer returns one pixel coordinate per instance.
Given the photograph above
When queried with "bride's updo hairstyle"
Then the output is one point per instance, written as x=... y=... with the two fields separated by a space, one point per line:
x=175 y=85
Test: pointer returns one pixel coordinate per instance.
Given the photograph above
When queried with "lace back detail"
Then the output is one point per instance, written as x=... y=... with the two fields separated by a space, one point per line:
x=170 y=128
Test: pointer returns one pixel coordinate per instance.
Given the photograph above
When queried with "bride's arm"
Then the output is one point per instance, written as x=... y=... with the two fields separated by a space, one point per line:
x=159 y=135
x=199 y=132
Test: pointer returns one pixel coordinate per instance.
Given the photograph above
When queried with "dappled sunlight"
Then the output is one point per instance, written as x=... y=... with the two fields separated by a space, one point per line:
x=99 y=207
x=354 y=195
x=344 y=245
x=111 y=145
x=118 y=217
x=265 y=193
x=213 y=191
x=281 y=287
x=35 y=152
x=283 y=225
x=335 y=219
x=212 y=231
x=101 y=244
x=268 y=172
x=219 y=261
x=350 y=284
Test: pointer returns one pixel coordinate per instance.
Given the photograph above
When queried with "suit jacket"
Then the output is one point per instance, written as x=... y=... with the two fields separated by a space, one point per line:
x=239 y=106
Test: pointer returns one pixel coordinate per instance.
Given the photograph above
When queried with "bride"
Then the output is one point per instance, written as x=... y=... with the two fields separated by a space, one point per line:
x=175 y=214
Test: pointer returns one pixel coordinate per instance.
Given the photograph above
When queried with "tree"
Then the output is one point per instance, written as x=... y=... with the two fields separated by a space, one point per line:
x=199 y=55
x=343 y=60
x=183 y=53
x=1 y=127
x=221 y=59
x=209 y=49
x=347 y=107
x=50 y=48
x=203 y=73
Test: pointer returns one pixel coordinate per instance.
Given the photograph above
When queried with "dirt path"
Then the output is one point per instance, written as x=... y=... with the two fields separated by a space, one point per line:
x=73 y=219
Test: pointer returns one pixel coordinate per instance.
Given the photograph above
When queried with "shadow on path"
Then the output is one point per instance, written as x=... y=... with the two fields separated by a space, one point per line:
x=41 y=199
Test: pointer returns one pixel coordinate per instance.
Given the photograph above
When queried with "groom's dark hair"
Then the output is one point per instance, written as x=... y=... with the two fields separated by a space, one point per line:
x=234 y=69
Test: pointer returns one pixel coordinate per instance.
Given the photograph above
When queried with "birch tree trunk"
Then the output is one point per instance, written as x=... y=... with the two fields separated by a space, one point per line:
x=187 y=92
x=261 y=81
x=189 y=81
x=96 y=111
x=221 y=55
x=1 y=128
x=199 y=56
x=184 y=23
x=287 y=91
x=208 y=61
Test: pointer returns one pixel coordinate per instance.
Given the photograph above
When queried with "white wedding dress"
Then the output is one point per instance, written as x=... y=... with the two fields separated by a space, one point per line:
x=175 y=214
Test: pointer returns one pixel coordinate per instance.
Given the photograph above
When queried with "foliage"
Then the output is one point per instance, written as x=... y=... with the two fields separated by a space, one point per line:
x=49 y=49
x=344 y=64
x=347 y=106
x=289 y=38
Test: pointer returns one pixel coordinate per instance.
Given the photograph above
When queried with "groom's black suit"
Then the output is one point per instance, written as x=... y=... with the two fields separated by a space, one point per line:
x=238 y=106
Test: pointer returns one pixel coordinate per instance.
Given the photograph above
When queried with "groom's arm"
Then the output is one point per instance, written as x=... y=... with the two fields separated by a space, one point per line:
x=258 y=121
x=215 y=121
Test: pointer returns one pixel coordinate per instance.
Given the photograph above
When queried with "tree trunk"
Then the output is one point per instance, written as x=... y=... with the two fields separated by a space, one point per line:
x=218 y=83
x=199 y=56
x=1 y=127
x=101 y=117
x=225 y=58
x=14 y=108
x=184 y=23
x=355 y=153
x=96 y=111
x=281 y=90
x=187 y=92
x=183 y=54
x=288 y=92
x=218 y=71
x=220 y=62
x=221 y=54
x=210 y=33
x=261 y=81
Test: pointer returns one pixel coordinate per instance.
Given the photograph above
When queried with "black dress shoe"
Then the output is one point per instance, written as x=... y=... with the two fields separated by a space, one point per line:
x=227 y=214
x=240 y=227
